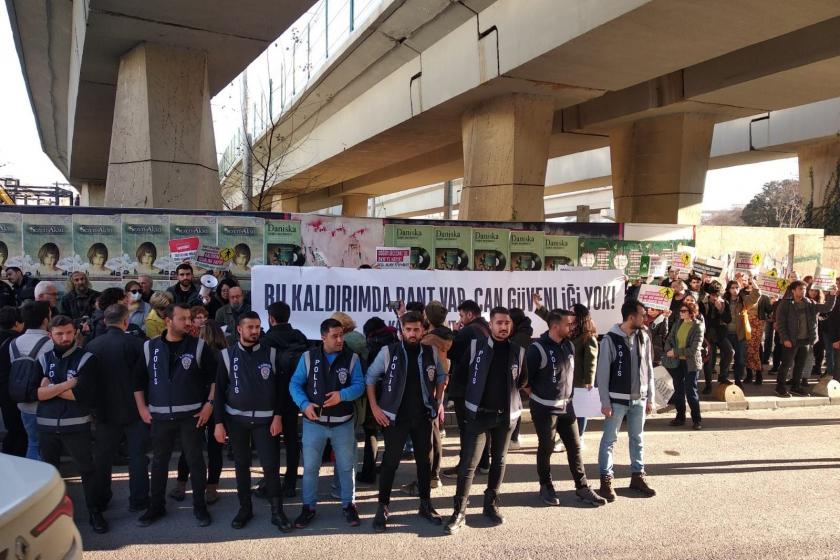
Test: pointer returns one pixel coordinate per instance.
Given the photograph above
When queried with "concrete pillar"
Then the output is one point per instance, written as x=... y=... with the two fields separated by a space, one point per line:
x=280 y=204
x=505 y=156
x=354 y=205
x=92 y=194
x=583 y=214
x=659 y=168
x=818 y=166
x=163 y=153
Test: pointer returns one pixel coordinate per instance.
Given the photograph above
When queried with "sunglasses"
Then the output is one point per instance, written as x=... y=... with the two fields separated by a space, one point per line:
x=683 y=310
x=135 y=291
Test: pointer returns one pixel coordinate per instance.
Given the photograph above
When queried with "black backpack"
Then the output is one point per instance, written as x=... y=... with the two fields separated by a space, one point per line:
x=25 y=373
x=290 y=356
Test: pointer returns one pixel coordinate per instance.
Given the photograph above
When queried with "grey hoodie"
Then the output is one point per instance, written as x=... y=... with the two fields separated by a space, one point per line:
x=606 y=355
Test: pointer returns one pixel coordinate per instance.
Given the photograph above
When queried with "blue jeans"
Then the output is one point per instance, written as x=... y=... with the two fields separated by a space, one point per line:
x=635 y=414
x=685 y=388
x=30 y=424
x=343 y=440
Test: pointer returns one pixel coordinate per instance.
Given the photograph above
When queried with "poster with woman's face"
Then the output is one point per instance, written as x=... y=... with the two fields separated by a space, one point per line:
x=145 y=246
x=48 y=245
x=11 y=242
x=97 y=243
x=203 y=227
x=242 y=239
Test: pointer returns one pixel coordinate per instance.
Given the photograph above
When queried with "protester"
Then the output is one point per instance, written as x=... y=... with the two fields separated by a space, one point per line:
x=228 y=316
x=738 y=329
x=353 y=339
x=138 y=309
x=764 y=315
x=11 y=326
x=146 y=287
x=405 y=385
x=440 y=337
x=585 y=341
x=717 y=319
x=79 y=297
x=796 y=320
x=819 y=347
x=220 y=296
x=324 y=386
x=155 y=323
x=625 y=383
x=116 y=410
x=684 y=360
x=673 y=274
x=250 y=401
x=551 y=376
x=23 y=285
x=47 y=291
x=523 y=332
x=176 y=375
x=493 y=372
x=185 y=290
x=66 y=399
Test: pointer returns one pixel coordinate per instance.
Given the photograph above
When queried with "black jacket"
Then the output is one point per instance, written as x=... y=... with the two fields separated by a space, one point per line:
x=190 y=297
x=77 y=306
x=26 y=289
x=283 y=336
x=717 y=321
x=459 y=354
x=523 y=333
x=119 y=354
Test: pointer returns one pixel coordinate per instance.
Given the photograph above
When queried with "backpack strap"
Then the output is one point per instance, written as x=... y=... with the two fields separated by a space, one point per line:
x=13 y=351
x=37 y=348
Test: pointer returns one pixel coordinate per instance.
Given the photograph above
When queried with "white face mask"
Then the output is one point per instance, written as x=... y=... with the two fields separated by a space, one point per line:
x=136 y=297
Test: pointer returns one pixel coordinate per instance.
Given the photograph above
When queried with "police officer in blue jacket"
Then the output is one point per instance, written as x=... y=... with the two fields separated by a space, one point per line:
x=405 y=385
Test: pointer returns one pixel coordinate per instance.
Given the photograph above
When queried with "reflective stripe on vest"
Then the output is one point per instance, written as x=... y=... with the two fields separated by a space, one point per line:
x=551 y=404
x=334 y=419
x=59 y=422
x=249 y=413
x=174 y=409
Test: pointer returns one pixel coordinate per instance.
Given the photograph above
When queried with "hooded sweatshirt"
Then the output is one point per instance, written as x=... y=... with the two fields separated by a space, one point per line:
x=607 y=354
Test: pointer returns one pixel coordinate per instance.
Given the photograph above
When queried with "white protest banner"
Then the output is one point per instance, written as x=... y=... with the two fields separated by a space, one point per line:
x=393 y=257
x=824 y=279
x=683 y=260
x=708 y=266
x=587 y=402
x=664 y=387
x=315 y=293
x=747 y=262
x=657 y=297
x=771 y=285
x=210 y=256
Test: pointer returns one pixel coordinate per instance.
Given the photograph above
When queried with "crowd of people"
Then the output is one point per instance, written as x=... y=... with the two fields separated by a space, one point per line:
x=128 y=372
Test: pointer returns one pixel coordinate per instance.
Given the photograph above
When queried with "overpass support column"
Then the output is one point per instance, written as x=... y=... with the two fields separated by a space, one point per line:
x=659 y=168
x=505 y=156
x=818 y=166
x=163 y=153
x=354 y=205
x=280 y=204
x=92 y=194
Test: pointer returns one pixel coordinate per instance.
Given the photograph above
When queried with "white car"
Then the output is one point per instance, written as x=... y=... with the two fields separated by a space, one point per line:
x=36 y=515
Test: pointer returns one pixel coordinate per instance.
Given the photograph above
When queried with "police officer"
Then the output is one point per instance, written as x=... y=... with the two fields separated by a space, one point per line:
x=409 y=379
x=551 y=372
x=497 y=370
x=249 y=401
x=179 y=375
x=65 y=402
x=325 y=384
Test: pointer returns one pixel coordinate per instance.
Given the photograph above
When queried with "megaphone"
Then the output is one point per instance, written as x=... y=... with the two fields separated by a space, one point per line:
x=208 y=283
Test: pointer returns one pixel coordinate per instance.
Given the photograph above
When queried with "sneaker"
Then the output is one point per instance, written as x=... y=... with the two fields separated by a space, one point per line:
x=638 y=482
x=436 y=482
x=585 y=494
x=380 y=520
x=351 y=515
x=514 y=445
x=306 y=516
x=202 y=516
x=559 y=447
x=410 y=489
x=548 y=495
x=482 y=470
x=450 y=472
x=782 y=393
x=150 y=516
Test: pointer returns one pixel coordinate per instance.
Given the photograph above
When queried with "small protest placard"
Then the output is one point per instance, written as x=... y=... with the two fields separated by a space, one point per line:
x=748 y=262
x=683 y=260
x=393 y=257
x=708 y=266
x=657 y=297
x=824 y=279
x=210 y=256
x=183 y=249
x=771 y=285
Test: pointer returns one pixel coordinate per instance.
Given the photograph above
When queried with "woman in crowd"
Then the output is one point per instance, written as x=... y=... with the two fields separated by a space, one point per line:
x=821 y=346
x=220 y=297
x=585 y=341
x=353 y=339
x=739 y=330
x=684 y=361
x=199 y=316
x=216 y=342
x=154 y=320
x=137 y=308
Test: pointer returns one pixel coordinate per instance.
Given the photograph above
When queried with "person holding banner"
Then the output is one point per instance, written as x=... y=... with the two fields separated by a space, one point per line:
x=718 y=315
x=405 y=385
x=739 y=330
x=625 y=382
x=551 y=367
x=684 y=361
x=796 y=320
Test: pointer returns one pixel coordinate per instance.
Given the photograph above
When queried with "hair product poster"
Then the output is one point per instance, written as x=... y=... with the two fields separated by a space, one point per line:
x=283 y=245
x=145 y=244
x=97 y=243
x=11 y=241
x=241 y=238
x=560 y=251
x=527 y=250
x=491 y=249
x=421 y=239
x=453 y=248
x=48 y=245
x=340 y=241
x=203 y=227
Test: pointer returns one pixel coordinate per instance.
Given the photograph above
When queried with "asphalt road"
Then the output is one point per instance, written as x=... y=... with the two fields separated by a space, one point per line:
x=752 y=484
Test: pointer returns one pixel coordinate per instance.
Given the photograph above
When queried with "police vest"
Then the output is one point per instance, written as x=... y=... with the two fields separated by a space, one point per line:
x=57 y=414
x=621 y=369
x=179 y=393
x=251 y=393
x=393 y=382
x=552 y=384
x=323 y=377
x=481 y=356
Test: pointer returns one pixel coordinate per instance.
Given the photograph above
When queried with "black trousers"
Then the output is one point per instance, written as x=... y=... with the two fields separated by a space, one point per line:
x=492 y=428
x=79 y=446
x=215 y=451
x=108 y=438
x=164 y=433
x=460 y=418
x=437 y=449
x=420 y=429
x=292 y=445
x=241 y=435
x=546 y=424
x=15 y=441
x=793 y=359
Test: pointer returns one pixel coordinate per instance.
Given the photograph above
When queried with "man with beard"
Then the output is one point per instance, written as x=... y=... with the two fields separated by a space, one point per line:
x=405 y=385
x=228 y=316
x=497 y=370
x=185 y=291
x=80 y=297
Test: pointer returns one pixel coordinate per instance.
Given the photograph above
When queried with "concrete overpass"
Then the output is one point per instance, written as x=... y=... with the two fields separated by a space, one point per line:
x=121 y=89
x=487 y=91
